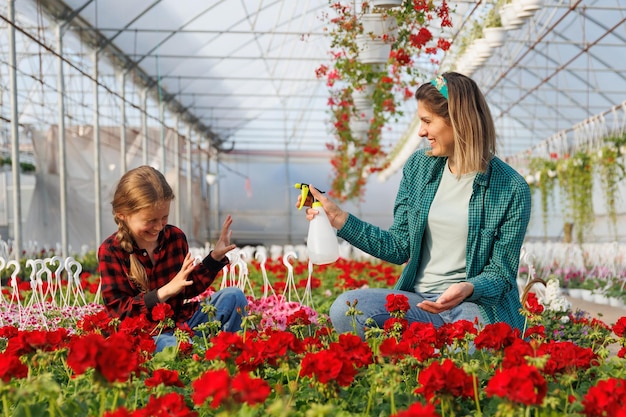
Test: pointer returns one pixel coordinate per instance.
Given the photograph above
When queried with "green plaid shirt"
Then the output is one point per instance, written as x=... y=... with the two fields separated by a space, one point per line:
x=499 y=212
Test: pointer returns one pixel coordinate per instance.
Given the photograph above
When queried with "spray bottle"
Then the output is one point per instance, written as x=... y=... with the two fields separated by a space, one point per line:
x=321 y=241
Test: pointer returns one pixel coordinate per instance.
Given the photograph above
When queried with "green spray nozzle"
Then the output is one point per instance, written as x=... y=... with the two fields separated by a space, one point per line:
x=304 y=193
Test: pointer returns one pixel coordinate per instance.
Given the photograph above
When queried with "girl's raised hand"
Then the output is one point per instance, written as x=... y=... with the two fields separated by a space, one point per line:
x=223 y=245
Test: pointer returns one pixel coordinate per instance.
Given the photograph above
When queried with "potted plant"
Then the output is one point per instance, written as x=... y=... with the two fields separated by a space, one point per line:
x=366 y=91
x=494 y=32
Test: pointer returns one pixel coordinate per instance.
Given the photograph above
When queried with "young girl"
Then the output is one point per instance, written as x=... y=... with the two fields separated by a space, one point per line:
x=147 y=261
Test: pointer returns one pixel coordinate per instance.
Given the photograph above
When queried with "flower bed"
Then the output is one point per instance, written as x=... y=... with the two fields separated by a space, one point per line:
x=296 y=365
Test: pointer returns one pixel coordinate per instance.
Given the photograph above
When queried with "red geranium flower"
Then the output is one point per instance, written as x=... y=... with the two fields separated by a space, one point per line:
x=397 y=303
x=448 y=333
x=418 y=410
x=445 y=379
x=249 y=390
x=212 y=384
x=169 y=405
x=11 y=367
x=533 y=305
x=164 y=376
x=519 y=384
x=606 y=398
x=619 y=328
x=326 y=366
x=496 y=336
x=162 y=311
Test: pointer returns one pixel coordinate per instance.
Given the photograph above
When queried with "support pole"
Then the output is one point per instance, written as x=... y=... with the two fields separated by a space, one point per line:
x=15 y=139
x=177 y=170
x=61 y=138
x=144 y=125
x=123 y=138
x=96 y=151
x=162 y=117
x=189 y=175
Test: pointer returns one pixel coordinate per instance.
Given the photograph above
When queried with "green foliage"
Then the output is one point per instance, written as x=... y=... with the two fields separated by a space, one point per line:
x=575 y=176
x=545 y=180
x=609 y=164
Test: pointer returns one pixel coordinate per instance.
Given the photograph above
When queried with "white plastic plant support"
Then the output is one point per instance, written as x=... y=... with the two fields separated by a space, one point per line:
x=243 y=278
x=56 y=284
x=36 y=300
x=290 y=284
x=15 y=291
x=74 y=286
x=3 y=263
x=36 y=293
x=307 y=297
x=228 y=280
x=261 y=256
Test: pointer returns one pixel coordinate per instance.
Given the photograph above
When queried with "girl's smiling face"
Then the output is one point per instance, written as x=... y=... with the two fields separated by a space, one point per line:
x=146 y=224
x=437 y=131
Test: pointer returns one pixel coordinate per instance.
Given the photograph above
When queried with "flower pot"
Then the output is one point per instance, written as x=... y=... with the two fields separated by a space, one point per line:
x=518 y=6
x=360 y=122
x=380 y=26
x=363 y=98
x=495 y=36
x=575 y=292
x=530 y=5
x=510 y=20
x=480 y=48
x=600 y=298
x=372 y=51
x=587 y=295
x=616 y=302
x=385 y=4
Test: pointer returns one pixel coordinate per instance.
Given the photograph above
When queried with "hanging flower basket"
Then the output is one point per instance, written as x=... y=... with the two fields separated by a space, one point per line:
x=386 y=4
x=380 y=26
x=380 y=46
x=495 y=36
x=372 y=51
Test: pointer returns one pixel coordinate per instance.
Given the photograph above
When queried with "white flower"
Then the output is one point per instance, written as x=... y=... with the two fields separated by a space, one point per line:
x=553 y=299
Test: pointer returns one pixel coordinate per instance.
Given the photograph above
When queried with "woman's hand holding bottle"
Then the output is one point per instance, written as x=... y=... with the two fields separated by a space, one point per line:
x=336 y=215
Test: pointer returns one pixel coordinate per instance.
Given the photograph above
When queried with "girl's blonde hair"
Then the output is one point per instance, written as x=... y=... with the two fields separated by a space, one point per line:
x=467 y=112
x=139 y=188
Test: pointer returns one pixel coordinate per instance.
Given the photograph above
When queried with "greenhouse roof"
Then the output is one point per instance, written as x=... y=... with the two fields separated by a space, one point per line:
x=244 y=72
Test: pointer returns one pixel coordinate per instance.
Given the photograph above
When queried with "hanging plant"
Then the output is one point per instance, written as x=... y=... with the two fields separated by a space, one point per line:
x=575 y=176
x=544 y=180
x=610 y=167
x=360 y=152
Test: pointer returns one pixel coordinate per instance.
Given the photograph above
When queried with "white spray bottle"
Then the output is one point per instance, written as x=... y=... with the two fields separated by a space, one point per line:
x=321 y=242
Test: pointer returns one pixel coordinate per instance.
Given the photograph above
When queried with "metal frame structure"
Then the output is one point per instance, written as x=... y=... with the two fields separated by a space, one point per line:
x=239 y=78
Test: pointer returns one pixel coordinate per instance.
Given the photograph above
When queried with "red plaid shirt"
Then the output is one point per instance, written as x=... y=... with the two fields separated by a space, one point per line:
x=124 y=298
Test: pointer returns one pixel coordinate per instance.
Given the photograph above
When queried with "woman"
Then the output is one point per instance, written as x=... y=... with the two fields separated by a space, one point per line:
x=147 y=261
x=459 y=222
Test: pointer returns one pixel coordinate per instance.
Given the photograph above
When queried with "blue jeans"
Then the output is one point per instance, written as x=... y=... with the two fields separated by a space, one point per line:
x=371 y=302
x=231 y=305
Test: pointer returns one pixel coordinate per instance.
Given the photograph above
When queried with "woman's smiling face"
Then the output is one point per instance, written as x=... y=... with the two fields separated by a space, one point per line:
x=436 y=130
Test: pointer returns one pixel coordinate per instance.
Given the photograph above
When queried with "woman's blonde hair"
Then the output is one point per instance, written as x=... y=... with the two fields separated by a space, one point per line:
x=467 y=112
x=139 y=188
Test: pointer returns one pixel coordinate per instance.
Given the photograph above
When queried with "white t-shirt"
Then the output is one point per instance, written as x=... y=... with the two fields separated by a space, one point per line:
x=445 y=240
